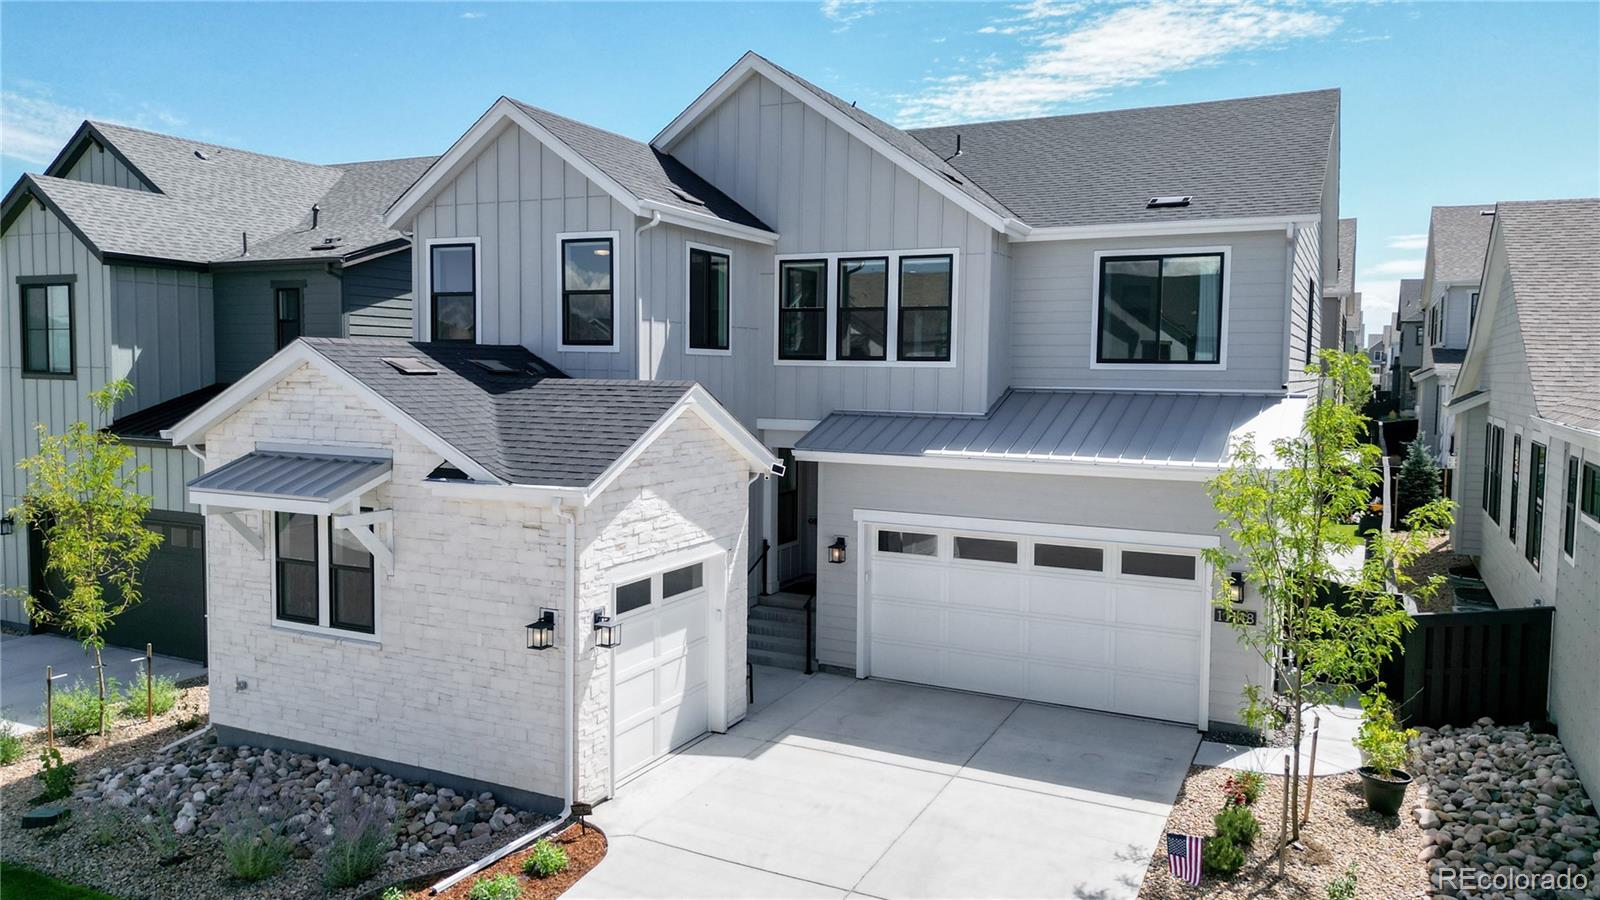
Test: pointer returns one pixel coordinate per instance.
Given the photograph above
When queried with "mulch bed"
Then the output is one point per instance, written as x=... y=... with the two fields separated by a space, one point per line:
x=1439 y=559
x=584 y=849
x=1341 y=831
x=126 y=739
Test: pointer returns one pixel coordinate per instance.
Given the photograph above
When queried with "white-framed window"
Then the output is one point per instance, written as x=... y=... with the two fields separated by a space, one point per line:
x=708 y=305
x=452 y=274
x=586 y=283
x=1160 y=308
x=323 y=579
x=872 y=308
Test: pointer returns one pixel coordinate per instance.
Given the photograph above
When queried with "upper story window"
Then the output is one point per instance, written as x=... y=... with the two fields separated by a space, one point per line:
x=1160 y=309
x=1311 y=316
x=708 y=299
x=47 y=329
x=453 y=291
x=879 y=308
x=287 y=300
x=1494 y=442
x=1589 y=497
x=588 y=301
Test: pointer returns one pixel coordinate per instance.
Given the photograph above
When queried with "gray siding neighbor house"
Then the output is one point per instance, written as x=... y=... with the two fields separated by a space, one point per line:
x=1527 y=437
x=1458 y=239
x=1406 y=355
x=178 y=265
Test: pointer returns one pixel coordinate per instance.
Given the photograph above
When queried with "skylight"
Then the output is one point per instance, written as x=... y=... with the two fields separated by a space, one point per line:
x=410 y=365
x=1168 y=202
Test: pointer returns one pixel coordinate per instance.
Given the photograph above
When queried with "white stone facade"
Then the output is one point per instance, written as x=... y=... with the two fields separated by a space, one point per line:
x=449 y=685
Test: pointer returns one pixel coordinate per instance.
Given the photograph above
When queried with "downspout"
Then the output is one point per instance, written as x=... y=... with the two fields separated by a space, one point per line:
x=1288 y=301
x=569 y=609
x=638 y=298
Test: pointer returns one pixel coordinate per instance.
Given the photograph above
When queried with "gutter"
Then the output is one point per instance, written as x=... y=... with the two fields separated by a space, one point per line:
x=1288 y=300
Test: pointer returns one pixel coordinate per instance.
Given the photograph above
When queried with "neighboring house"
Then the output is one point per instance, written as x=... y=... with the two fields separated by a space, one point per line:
x=178 y=265
x=1458 y=239
x=1527 y=432
x=1342 y=328
x=1406 y=357
x=997 y=361
x=1378 y=356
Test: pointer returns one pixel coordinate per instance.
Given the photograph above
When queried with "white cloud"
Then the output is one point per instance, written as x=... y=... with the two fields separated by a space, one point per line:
x=473 y=15
x=1379 y=300
x=846 y=11
x=34 y=126
x=1409 y=241
x=1080 y=53
x=1402 y=268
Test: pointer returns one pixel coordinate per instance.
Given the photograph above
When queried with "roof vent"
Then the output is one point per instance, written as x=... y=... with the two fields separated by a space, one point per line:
x=1485 y=212
x=496 y=367
x=686 y=197
x=952 y=178
x=200 y=154
x=409 y=365
x=1171 y=202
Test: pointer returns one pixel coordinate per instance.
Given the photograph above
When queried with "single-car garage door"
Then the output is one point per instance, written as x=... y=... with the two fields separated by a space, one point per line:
x=1105 y=625
x=659 y=691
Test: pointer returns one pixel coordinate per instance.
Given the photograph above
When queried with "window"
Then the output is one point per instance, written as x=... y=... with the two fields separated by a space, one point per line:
x=1569 y=507
x=453 y=287
x=298 y=591
x=1311 y=315
x=803 y=309
x=47 y=323
x=863 y=309
x=1062 y=556
x=632 y=596
x=1157 y=565
x=926 y=291
x=350 y=583
x=1419 y=334
x=587 y=310
x=1589 y=500
x=1160 y=309
x=788 y=499
x=1472 y=313
x=1516 y=478
x=708 y=299
x=682 y=581
x=1534 y=540
x=908 y=542
x=1493 y=458
x=287 y=300
x=986 y=550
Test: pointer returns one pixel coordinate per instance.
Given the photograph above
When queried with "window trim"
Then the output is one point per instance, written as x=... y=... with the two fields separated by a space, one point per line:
x=562 y=239
x=425 y=321
x=950 y=305
x=838 y=319
x=324 y=588
x=1572 y=483
x=1516 y=484
x=1221 y=365
x=70 y=282
x=825 y=308
x=831 y=306
x=1538 y=478
x=689 y=247
x=1584 y=477
x=299 y=287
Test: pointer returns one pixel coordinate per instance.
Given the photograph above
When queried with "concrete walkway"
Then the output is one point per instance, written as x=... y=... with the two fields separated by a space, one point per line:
x=1336 y=750
x=23 y=659
x=839 y=787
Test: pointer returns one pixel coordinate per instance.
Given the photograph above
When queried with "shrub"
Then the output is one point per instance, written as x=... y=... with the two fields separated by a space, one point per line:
x=546 y=859
x=56 y=776
x=392 y=893
x=107 y=826
x=1343 y=887
x=10 y=744
x=1243 y=788
x=498 y=887
x=1238 y=824
x=253 y=847
x=361 y=838
x=1221 y=856
x=163 y=696
x=1387 y=745
x=77 y=709
x=159 y=835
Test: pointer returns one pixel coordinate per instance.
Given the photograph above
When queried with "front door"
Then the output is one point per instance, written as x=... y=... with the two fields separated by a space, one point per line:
x=796 y=541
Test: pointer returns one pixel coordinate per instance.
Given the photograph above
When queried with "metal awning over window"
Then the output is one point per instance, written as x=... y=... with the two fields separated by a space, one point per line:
x=286 y=481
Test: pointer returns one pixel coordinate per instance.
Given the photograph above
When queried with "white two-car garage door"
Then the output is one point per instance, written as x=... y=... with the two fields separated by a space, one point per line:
x=659 y=692
x=1105 y=625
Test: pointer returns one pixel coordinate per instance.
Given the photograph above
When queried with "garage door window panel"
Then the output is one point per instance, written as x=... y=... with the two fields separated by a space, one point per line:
x=1158 y=565
x=633 y=596
x=1066 y=556
x=910 y=543
x=986 y=550
x=682 y=581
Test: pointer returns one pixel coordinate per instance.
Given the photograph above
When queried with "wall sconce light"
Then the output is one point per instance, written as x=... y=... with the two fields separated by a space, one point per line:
x=1236 y=586
x=542 y=634
x=605 y=633
x=8 y=524
x=836 y=550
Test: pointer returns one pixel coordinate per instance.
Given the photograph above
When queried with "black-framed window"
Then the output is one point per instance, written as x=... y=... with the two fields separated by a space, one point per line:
x=803 y=309
x=633 y=595
x=863 y=318
x=1516 y=484
x=1494 y=451
x=1569 y=507
x=48 y=321
x=1161 y=309
x=588 y=307
x=1589 y=499
x=708 y=300
x=296 y=559
x=453 y=289
x=351 y=588
x=1534 y=540
x=1472 y=315
x=927 y=285
x=1311 y=316
x=788 y=499
x=287 y=301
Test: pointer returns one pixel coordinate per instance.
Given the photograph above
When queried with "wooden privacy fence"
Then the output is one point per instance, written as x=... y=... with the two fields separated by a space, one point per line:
x=1458 y=667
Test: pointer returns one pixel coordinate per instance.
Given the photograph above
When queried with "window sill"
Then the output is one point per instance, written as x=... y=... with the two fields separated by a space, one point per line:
x=1162 y=366
x=50 y=376
x=588 y=348
x=707 y=351
x=333 y=635
x=870 y=363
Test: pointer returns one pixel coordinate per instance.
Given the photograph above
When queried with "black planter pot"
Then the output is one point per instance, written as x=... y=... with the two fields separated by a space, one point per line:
x=1384 y=795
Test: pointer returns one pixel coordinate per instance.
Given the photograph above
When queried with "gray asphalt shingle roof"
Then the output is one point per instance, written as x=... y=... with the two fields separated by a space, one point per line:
x=1345 y=283
x=1258 y=156
x=525 y=428
x=350 y=212
x=1410 y=299
x=1553 y=254
x=1458 y=236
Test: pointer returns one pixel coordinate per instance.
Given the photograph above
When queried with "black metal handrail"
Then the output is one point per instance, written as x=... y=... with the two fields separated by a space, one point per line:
x=811 y=630
x=761 y=561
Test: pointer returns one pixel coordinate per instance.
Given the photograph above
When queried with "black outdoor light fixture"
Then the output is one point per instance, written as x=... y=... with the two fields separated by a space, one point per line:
x=836 y=550
x=1236 y=586
x=606 y=634
x=542 y=634
x=8 y=525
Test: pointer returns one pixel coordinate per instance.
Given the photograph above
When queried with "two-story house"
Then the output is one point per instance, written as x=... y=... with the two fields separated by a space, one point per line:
x=1527 y=437
x=1458 y=238
x=1342 y=326
x=997 y=361
x=180 y=266
x=1406 y=355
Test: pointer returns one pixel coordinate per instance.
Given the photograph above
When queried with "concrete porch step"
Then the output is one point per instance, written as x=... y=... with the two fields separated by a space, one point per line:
x=795 y=617
x=794 y=661
x=792 y=644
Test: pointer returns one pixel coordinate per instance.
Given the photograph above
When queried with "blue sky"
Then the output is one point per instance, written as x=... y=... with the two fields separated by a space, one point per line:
x=1443 y=102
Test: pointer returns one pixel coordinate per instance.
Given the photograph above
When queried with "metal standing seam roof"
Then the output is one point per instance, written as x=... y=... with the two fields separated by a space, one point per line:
x=293 y=476
x=1097 y=427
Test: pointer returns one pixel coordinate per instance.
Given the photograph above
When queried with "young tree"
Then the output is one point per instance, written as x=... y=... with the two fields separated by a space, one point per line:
x=1419 y=480
x=1286 y=512
x=83 y=495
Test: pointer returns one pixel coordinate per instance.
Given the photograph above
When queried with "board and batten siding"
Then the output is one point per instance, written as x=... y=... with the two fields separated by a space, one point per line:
x=825 y=191
x=516 y=196
x=1305 y=292
x=100 y=166
x=162 y=321
x=377 y=297
x=1052 y=314
x=247 y=317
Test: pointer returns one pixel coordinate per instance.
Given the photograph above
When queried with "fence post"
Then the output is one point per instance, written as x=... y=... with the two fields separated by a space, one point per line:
x=150 y=688
x=49 y=707
x=1283 y=820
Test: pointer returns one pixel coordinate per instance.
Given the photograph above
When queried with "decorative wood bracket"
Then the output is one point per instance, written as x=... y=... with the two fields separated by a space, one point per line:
x=374 y=530
x=254 y=537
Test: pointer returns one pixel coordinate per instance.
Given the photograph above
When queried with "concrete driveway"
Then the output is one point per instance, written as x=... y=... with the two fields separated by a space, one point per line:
x=841 y=787
x=23 y=659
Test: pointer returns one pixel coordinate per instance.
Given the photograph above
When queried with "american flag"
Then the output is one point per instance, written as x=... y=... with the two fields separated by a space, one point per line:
x=1183 y=857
